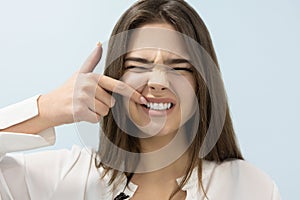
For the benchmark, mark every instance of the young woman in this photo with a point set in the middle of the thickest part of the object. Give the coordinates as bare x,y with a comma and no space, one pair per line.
166,129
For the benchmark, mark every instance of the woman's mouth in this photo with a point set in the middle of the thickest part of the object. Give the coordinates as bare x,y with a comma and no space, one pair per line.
158,107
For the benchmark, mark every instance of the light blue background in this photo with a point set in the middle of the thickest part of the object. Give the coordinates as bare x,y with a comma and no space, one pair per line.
257,42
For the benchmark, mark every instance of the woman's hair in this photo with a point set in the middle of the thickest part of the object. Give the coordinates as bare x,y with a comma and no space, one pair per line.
185,20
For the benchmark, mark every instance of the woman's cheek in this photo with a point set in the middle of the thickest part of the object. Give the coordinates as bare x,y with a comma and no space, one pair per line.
185,92
135,80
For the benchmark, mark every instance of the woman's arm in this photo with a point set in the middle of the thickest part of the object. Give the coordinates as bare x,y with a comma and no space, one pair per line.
57,107
31,123
83,97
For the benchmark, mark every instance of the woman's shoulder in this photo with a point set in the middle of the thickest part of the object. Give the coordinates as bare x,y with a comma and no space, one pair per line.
244,174
243,169
239,170
240,176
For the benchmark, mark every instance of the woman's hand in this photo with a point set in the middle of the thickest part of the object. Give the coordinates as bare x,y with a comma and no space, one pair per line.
83,97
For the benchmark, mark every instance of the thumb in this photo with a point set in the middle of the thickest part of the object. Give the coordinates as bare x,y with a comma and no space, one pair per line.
92,61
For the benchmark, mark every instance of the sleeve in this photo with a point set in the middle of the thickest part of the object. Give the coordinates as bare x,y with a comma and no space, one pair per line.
12,168
44,175
17,113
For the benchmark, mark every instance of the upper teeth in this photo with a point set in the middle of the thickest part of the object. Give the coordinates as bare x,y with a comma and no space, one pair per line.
159,106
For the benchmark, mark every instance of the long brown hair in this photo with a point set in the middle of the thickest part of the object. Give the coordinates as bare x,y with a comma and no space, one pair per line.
186,21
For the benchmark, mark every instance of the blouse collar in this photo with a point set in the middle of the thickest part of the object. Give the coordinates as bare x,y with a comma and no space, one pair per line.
207,169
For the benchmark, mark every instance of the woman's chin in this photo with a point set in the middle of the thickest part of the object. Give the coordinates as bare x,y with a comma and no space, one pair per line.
156,131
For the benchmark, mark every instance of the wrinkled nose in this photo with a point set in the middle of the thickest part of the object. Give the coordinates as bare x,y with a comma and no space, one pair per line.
158,80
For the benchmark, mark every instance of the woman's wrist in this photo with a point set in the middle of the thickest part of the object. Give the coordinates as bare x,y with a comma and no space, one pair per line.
46,115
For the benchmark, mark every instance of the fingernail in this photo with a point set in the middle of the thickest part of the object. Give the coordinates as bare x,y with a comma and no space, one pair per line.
143,100
99,44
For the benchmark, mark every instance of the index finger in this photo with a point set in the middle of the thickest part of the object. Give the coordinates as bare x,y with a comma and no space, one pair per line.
122,88
92,61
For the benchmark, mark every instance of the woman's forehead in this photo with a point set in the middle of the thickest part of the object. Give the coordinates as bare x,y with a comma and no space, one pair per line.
148,40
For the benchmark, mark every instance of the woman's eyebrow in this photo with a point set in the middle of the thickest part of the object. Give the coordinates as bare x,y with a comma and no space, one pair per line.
137,59
167,62
176,61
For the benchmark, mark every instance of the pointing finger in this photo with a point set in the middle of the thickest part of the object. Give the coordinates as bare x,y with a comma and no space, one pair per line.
122,88
92,61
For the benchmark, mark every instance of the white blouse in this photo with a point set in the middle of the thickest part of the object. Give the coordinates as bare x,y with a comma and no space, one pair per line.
71,174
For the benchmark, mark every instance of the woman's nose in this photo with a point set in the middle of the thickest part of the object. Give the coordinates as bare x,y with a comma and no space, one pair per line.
158,80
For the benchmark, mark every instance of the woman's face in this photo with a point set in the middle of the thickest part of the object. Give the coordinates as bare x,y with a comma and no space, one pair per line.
154,68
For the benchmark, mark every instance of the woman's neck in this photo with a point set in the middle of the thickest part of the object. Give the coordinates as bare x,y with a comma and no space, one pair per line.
169,173
163,160
164,156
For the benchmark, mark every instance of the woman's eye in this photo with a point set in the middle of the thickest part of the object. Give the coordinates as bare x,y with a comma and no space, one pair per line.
182,69
137,68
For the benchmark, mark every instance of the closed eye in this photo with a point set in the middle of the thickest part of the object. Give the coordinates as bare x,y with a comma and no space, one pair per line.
137,68
183,69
